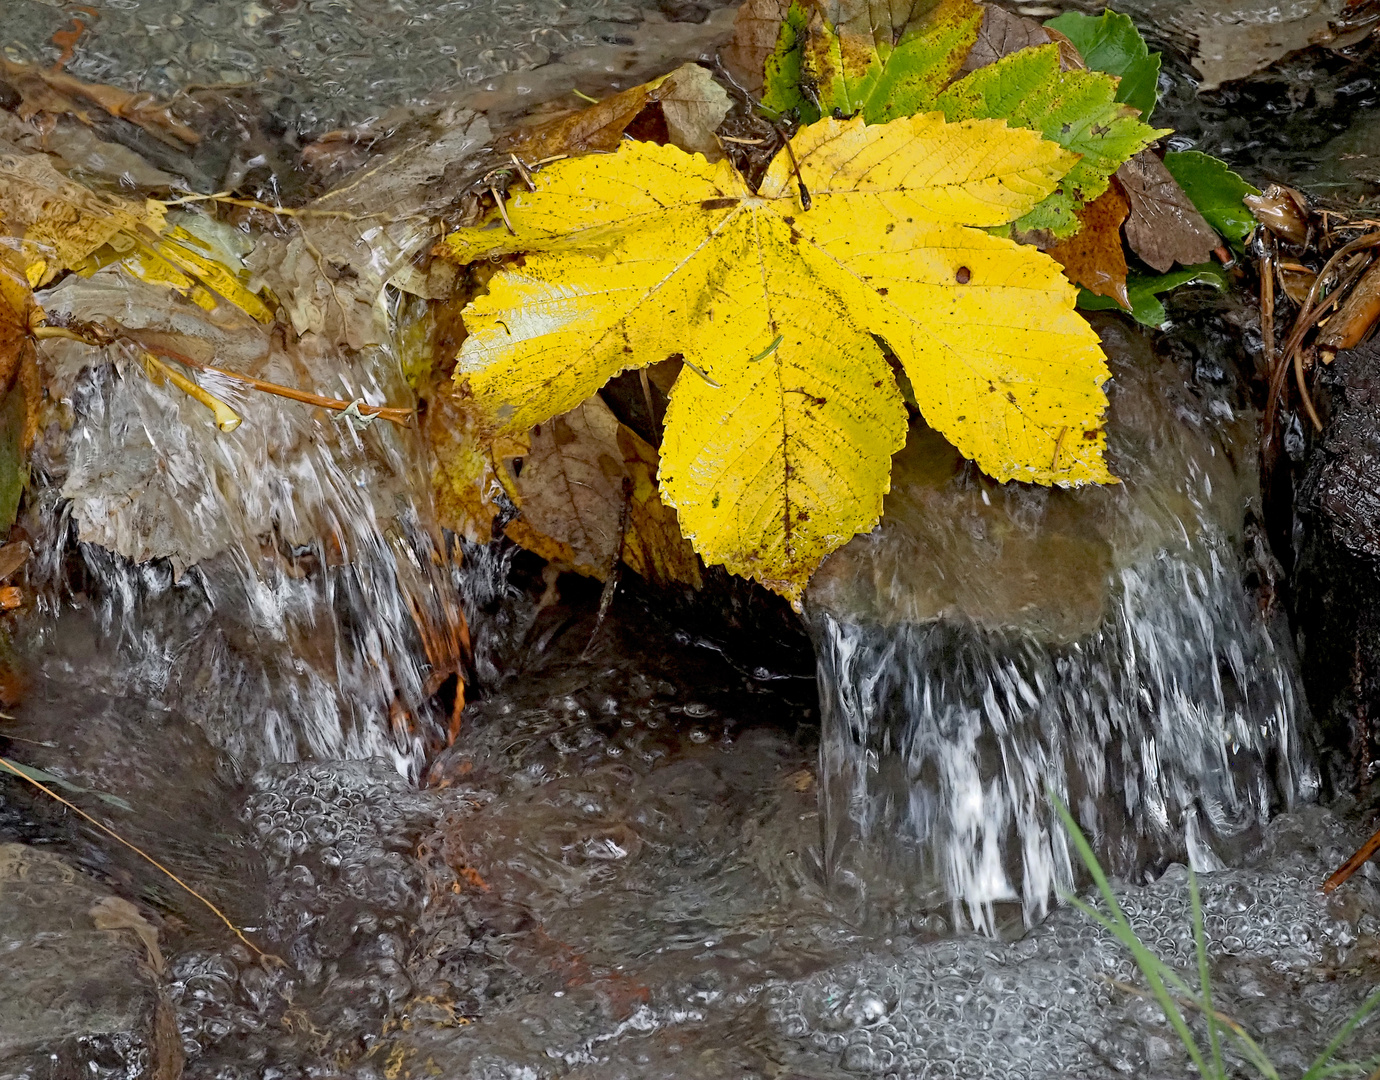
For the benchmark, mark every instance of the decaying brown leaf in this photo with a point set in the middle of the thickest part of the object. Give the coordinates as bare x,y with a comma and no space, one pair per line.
1164,227
1093,256
755,28
56,92
1283,211
583,469
1002,33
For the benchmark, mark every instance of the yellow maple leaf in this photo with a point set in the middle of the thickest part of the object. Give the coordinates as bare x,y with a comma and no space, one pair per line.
781,428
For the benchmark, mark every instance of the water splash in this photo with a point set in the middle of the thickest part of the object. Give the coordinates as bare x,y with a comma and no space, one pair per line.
989,643
284,577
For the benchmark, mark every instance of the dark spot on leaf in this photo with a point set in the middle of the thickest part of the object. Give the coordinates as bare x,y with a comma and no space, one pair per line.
963,275
804,515
718,204
1089,436
891,226
1101,129
1011,397
1065,129
789,220
881,292
715,501
960,419
877,383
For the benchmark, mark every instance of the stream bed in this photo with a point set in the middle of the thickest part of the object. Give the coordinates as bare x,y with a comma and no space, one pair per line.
690,837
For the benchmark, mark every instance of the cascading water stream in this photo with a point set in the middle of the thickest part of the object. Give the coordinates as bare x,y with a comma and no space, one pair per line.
987,645
284,577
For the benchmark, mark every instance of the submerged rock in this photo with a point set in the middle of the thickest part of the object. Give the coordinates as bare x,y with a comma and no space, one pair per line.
72,990
988,641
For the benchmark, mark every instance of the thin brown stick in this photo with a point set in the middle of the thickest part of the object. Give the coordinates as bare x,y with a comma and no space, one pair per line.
280,211
1344,872
1307,317
145,856
401,417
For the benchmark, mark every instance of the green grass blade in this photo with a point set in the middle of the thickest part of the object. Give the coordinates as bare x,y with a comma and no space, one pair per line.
1316,1070
1204,978
1150,965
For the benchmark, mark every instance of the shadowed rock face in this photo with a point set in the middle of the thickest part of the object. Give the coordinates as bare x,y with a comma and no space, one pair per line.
64,979
988,640
1337,575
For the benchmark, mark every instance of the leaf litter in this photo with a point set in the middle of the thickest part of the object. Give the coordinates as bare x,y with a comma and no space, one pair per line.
326,270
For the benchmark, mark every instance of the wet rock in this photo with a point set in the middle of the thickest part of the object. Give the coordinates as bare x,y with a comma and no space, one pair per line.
72,993
987,640
1337,575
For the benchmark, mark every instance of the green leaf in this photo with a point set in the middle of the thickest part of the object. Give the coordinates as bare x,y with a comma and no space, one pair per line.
1143,291
781,91
854,73
42,776
1110,42
14,471
1216,191
1076,109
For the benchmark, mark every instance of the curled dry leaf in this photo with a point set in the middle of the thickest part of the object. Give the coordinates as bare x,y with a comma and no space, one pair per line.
1283,211
1093,256
694,105
583,469
1164,227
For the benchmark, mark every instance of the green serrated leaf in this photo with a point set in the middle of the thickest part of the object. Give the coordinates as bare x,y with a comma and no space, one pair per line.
853,73
1111,43
1144,291
1216,191
1076,109
781,85
43,776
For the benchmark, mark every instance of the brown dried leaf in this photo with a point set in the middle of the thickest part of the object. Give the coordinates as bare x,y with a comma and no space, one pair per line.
1093,256
654,546
583,467
754,37
1002,33
692,104
56,92
1164,227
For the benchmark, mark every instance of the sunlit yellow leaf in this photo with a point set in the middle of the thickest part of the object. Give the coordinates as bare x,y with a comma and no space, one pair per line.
782,424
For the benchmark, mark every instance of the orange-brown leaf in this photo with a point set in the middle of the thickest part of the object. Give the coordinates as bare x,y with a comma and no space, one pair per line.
1093,256
754,37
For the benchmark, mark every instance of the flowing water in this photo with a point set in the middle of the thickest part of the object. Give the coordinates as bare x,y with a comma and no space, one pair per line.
679,842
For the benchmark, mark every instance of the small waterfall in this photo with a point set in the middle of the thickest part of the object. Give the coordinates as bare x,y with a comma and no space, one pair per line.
285,577
988,643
